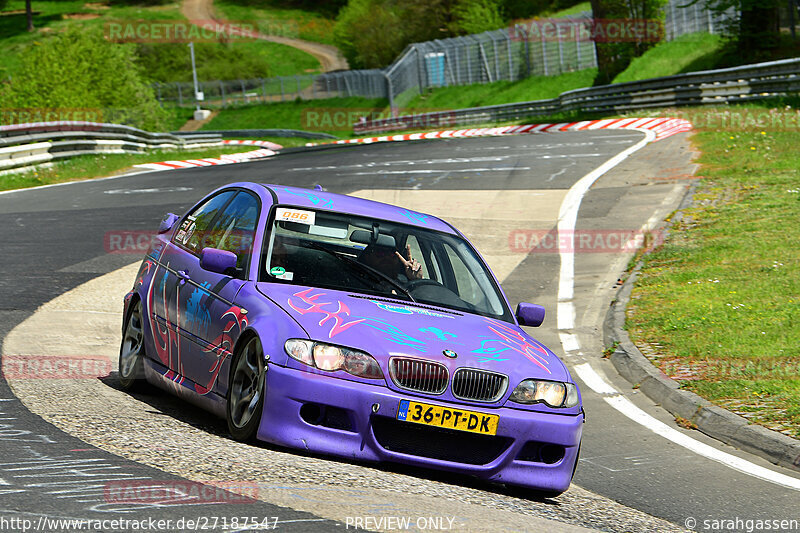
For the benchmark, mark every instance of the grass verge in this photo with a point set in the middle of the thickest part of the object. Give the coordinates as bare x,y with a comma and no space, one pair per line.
687,53
717,307
95,166
334,115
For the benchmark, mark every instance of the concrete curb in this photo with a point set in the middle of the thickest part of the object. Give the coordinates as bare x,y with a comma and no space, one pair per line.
710,419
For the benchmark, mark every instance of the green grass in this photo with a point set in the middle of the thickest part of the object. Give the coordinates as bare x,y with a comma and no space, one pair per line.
687,53
334,115
719,303
574,10
164,62
503,92
95,166
278,20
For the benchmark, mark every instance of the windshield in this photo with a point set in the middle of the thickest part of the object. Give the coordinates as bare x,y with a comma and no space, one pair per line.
372,256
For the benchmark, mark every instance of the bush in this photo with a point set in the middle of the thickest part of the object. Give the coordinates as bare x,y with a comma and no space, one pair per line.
79,69
372,33
476,16
369,33
169,62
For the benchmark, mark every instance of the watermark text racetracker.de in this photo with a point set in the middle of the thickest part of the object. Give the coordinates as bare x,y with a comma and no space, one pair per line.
178,31
196,523
743,524
582,241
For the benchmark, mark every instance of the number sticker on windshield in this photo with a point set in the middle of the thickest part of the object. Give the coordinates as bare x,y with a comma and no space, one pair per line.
295,215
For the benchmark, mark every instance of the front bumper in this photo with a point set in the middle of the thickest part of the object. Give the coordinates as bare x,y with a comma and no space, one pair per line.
294,415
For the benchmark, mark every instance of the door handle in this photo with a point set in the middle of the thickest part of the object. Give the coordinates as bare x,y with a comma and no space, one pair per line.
183,275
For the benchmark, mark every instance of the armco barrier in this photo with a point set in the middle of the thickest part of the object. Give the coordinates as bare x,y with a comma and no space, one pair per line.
23,145
730,85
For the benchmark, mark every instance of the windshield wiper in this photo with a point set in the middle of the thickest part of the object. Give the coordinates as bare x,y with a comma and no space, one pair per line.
361,267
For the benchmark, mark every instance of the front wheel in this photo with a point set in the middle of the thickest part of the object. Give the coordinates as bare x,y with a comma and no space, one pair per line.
131,351
246,391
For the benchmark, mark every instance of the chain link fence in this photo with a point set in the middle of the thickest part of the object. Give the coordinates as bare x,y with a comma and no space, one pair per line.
507,54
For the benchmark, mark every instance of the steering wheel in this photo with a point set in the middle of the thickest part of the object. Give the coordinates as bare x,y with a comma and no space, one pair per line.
416,283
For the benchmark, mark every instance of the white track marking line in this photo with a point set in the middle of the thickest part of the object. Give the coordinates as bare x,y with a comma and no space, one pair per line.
568,215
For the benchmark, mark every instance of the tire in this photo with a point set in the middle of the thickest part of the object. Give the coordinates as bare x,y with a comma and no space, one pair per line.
131,351
246,391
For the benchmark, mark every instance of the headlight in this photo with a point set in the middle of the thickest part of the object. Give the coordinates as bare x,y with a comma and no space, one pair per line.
551,393
331,358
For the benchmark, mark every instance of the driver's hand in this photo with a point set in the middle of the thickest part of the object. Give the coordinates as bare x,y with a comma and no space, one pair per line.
413,268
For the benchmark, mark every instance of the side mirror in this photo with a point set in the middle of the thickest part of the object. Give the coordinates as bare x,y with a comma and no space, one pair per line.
530,314
216,260
168,222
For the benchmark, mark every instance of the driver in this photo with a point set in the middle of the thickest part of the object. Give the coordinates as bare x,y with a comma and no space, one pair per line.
390,262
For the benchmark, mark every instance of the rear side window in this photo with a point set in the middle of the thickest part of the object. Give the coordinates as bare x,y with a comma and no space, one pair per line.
195,232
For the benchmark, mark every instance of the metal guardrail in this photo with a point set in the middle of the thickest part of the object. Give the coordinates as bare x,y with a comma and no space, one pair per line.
730,85
23,145
264,133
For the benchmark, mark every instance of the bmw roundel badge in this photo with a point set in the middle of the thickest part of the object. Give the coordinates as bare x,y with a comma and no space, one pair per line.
450,353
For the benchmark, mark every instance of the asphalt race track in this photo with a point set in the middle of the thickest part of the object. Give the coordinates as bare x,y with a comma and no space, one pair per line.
62,442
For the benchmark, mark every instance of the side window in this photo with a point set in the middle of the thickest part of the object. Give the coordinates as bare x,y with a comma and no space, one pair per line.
235,229
195,231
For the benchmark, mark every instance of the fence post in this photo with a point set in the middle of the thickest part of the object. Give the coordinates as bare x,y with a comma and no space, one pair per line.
180,94
469,66
297,79
245,99
544,54
158,88
496,60
674,20
560,55
510,60
282,94
222,91
263,89
578,47
389,92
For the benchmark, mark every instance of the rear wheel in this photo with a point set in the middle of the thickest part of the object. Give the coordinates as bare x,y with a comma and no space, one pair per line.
131,351
246,391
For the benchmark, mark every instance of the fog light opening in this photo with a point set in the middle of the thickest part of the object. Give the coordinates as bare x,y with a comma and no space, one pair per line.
551,453
312,413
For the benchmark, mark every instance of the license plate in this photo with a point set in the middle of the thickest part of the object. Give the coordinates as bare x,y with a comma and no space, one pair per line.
447,417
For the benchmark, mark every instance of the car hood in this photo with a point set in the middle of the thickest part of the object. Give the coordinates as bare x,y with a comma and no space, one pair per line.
387,328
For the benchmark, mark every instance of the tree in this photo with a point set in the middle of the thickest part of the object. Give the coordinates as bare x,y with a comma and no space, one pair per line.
29,14
372,33
756,29
614,55
78,69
